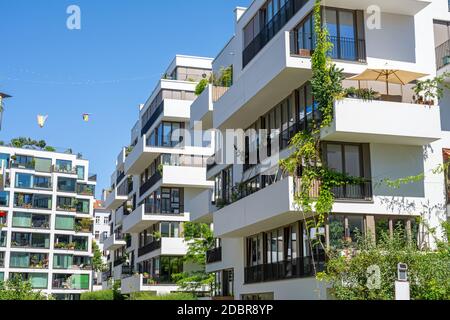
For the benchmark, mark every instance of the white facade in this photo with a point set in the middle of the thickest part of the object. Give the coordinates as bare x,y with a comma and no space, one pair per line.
101,233
46,229
377,140
156,177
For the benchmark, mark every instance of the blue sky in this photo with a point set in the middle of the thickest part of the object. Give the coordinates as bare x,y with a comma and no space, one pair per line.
107,68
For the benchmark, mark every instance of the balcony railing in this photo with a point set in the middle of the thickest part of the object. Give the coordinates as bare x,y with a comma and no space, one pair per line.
214,255
120,178
360,191
150,183
155,245
271,29
153,118
106,275
296,268
155,209
63,169
85,190
343,48
127,271
119,261
443,55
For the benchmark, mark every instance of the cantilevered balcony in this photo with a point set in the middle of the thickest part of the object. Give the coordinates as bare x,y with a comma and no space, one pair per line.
163,246
139,283
114,242
117,197
357,120
202,107
146,215
251,212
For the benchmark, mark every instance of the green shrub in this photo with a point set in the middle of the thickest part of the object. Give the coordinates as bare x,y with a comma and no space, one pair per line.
172,296
98,295
201,86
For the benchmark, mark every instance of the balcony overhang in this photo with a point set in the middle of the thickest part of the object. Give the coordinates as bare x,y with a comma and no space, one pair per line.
384,122
405,7
254,213
268,79
113,244
138,220
114,201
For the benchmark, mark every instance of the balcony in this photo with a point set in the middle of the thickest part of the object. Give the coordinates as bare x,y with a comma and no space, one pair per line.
251,212
271,29
214,255
385,122
201,207
114,199
114,242
137,283
150,183
85,189
202,107
296,268
64,170
165,246
153,246
443,57
169,109
106,275
147,215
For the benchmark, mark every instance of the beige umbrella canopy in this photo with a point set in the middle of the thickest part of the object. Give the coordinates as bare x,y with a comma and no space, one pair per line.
388,75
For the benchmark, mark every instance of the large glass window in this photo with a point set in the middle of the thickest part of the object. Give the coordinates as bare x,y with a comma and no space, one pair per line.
71,281
43,165
24,180
167,134
67,184
64,166
83,205
24,162
80,172
3,235
30,240
64,223
4,198
28,260
38,280
41,182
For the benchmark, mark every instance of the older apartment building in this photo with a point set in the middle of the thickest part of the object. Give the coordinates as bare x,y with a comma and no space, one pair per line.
155,178
46,210
262,248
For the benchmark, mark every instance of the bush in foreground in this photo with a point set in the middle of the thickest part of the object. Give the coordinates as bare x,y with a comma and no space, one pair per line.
172,296
98,295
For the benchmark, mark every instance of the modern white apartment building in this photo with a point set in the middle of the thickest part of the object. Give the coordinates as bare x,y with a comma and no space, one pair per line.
46,210
101,232
154,179
263,250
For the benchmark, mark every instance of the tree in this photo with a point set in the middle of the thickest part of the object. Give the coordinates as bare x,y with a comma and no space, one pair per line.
199,239
97,260
17,289
370,273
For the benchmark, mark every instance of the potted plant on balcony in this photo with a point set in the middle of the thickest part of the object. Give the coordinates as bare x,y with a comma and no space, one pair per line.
156,235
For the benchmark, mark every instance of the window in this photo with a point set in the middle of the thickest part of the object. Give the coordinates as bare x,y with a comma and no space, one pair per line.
65,203
224,283
24,181
80,172
28,260
105,220
4,199
3,218
4,160
38,280
167,134
105,235
170,229
24,162
30,220
97,220
30,240
71,281
67,184
64,223
41,182
3,235
43,165
83,206
64,166
2,261
223,186
97,235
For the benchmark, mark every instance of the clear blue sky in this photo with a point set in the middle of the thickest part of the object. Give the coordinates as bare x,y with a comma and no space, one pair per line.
107,68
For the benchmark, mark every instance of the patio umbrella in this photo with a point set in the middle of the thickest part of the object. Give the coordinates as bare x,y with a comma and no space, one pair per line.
389,75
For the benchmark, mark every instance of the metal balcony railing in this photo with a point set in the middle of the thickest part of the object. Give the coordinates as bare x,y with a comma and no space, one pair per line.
214,255
155,245
443,55
296,268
